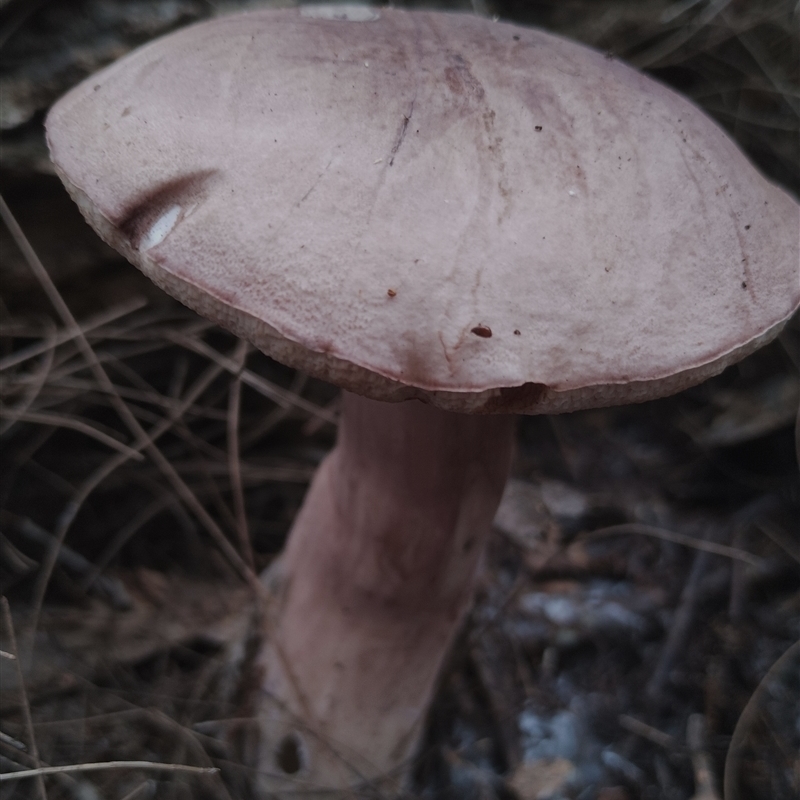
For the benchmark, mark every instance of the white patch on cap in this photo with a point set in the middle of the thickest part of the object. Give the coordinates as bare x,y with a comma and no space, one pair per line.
346,12
160,229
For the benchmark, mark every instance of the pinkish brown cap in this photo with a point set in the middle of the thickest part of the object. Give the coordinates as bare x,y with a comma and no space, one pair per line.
418,204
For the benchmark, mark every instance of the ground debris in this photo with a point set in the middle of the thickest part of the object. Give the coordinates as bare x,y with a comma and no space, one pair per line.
594,646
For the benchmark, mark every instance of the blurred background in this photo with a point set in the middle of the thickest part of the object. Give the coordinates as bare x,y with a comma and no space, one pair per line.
643,579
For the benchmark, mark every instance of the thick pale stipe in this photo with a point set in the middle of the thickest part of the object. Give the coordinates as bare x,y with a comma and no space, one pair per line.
376,578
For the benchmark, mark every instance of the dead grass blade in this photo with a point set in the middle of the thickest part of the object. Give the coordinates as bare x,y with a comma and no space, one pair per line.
26,709
36,381
277,394
143,441
667,47
123,535
103,765
62,337
71,423
276,416
97,477
234,462
635,528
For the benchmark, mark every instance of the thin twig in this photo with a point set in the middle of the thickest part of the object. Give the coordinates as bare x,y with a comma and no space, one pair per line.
26,709
103,765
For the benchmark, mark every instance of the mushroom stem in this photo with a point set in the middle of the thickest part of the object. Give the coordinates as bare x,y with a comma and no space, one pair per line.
375,581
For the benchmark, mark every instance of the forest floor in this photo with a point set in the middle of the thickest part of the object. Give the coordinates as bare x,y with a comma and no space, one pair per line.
636,624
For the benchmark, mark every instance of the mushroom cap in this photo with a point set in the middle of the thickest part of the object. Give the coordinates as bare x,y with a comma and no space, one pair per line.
420,204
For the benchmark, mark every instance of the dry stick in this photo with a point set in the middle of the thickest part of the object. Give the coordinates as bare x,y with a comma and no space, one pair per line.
143,441
26,709
150,716
103,765
696,735
681,625
20,758
677,538
646,731
234,463
112,588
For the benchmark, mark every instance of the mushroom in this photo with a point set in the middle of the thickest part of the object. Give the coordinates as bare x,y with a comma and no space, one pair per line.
474,218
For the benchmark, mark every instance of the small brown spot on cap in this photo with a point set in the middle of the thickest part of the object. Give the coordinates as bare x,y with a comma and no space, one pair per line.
537,127
747,227
484,331
392,293
517,333
744,284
